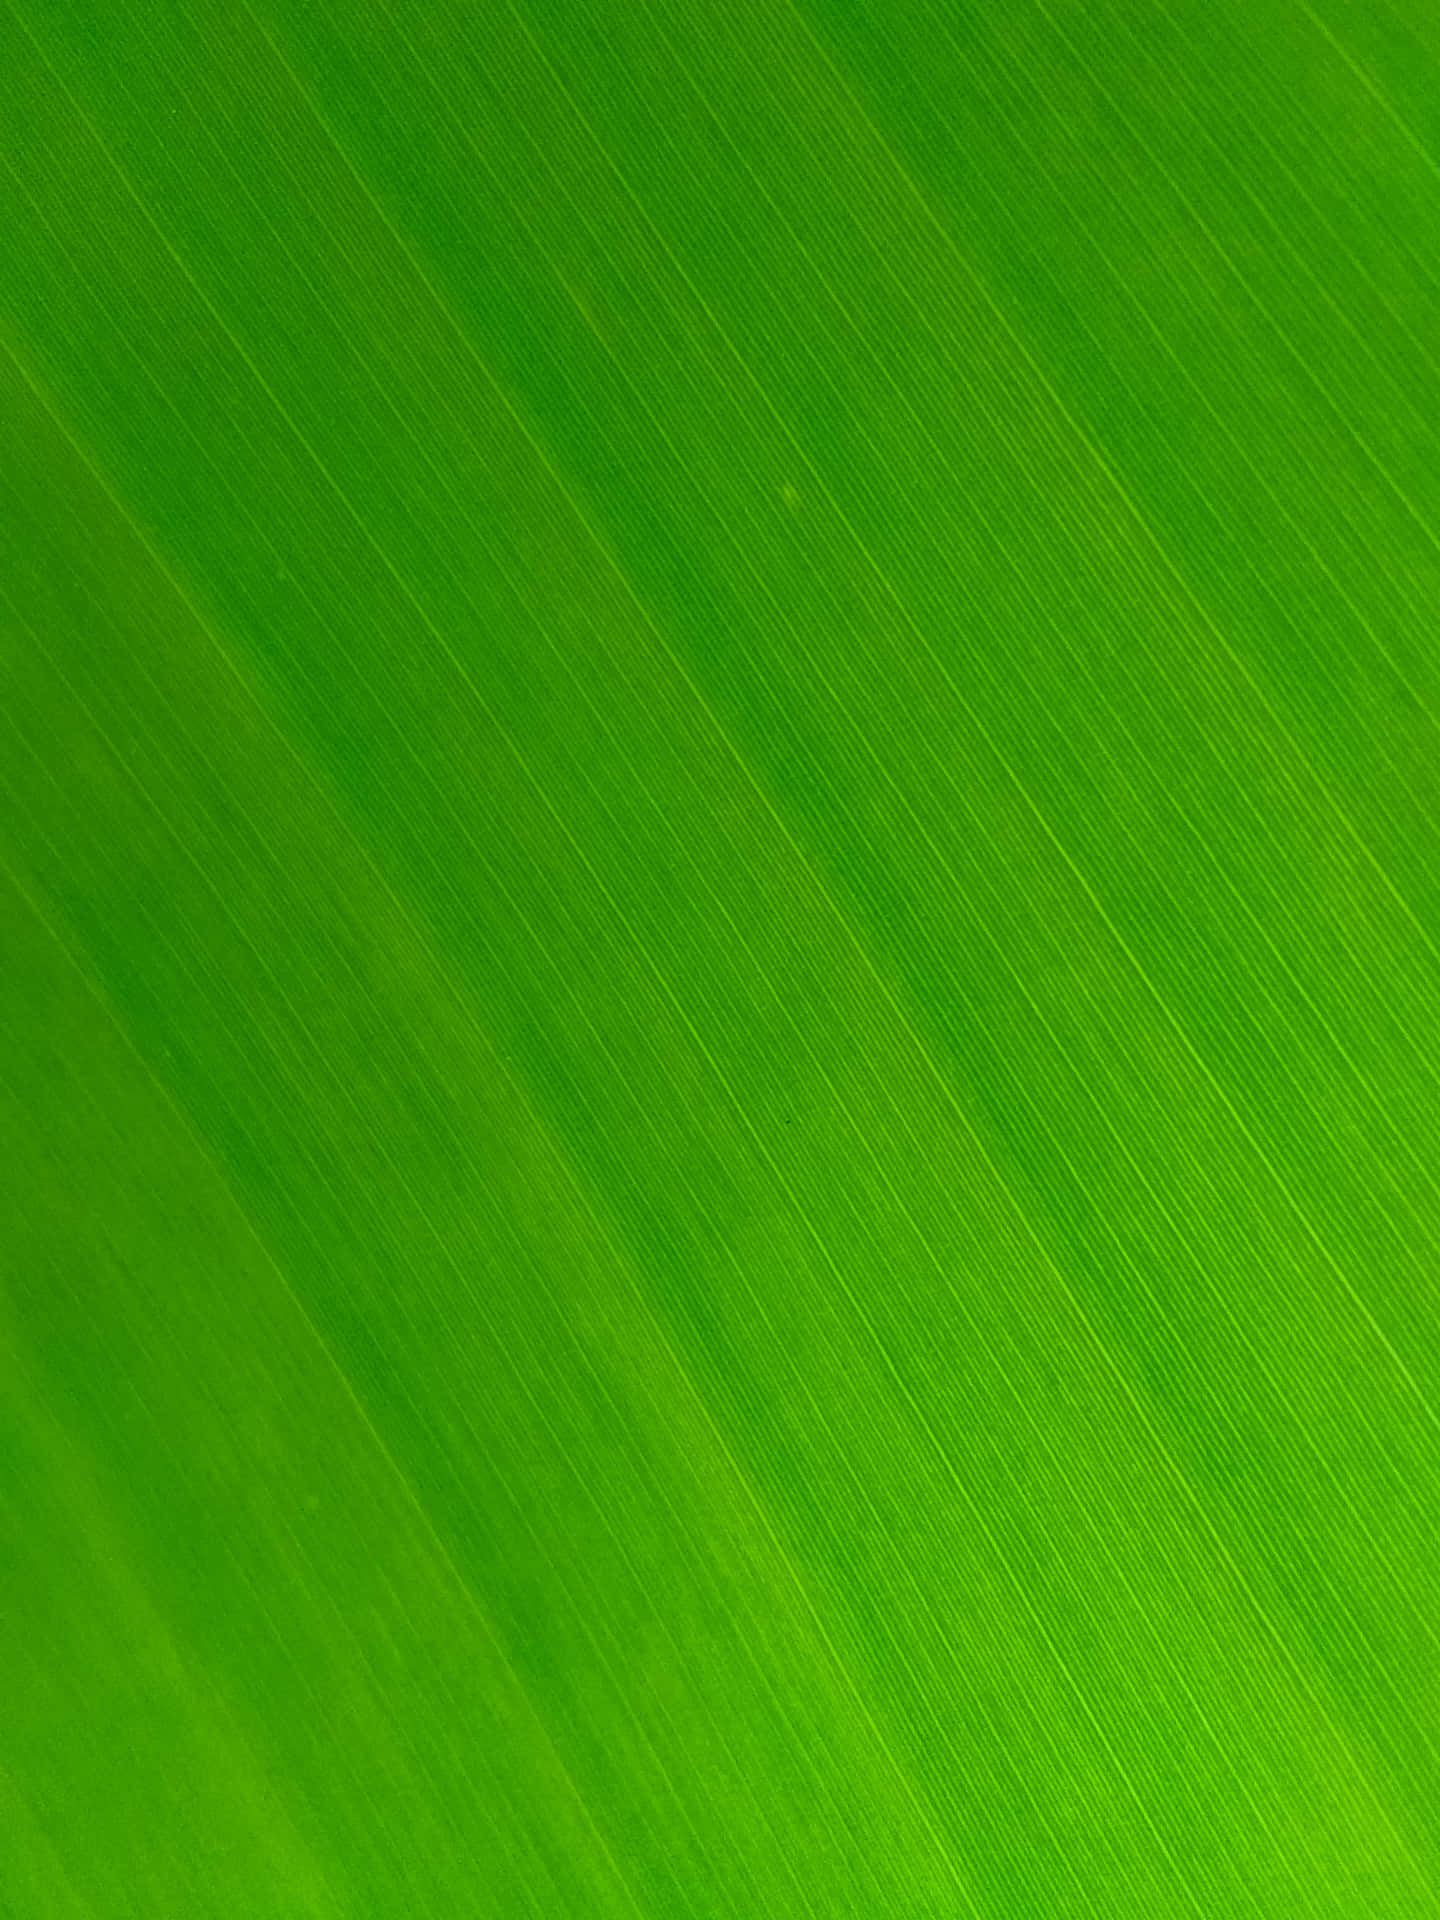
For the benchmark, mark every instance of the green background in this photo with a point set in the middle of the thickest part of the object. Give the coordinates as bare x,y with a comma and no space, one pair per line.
720,959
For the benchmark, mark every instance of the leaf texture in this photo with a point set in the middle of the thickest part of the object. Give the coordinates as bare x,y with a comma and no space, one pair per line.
720,959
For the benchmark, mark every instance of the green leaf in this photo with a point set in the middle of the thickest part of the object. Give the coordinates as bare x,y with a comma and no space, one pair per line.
720,959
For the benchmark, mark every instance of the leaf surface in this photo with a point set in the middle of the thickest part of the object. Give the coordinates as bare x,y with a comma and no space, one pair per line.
720,959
